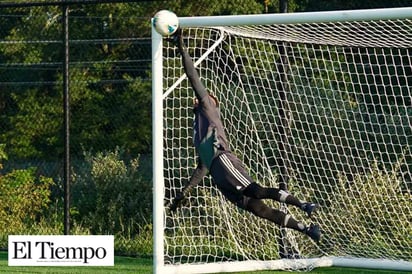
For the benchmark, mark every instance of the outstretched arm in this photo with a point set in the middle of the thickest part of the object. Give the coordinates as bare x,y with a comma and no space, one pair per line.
190,69
195,179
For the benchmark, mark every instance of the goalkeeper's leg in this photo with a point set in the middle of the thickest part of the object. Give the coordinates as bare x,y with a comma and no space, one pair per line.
258,208
258,192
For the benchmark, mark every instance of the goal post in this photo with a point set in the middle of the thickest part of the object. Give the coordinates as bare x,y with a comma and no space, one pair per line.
345,140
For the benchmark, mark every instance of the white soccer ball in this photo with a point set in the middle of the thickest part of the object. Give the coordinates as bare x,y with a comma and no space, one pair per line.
165,22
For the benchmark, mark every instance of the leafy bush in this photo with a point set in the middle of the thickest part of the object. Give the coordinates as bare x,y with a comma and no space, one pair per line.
373,207
24,198
110,196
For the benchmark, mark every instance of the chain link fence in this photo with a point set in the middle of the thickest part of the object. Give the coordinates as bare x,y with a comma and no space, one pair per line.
109,83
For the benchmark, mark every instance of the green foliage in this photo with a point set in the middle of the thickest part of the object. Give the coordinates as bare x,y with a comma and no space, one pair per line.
29,138
319,5
129,243
104,92
367,202
110,194
23,199
108,81
3,155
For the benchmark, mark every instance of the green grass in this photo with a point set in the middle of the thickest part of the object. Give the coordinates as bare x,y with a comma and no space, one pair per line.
143,266
121,265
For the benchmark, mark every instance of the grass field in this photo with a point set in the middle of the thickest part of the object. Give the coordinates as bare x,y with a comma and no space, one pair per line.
143,266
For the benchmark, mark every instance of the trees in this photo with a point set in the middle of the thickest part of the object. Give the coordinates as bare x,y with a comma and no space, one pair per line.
109,71
23,196
315,5
109,75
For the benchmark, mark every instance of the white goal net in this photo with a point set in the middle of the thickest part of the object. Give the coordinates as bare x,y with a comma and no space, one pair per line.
323,108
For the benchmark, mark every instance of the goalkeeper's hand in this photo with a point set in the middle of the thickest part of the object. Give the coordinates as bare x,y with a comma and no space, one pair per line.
177,38
177,201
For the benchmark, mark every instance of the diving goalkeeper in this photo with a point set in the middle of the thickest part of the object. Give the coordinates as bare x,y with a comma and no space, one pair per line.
227,171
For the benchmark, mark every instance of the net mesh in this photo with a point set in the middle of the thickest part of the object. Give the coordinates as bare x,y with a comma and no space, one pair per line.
325,108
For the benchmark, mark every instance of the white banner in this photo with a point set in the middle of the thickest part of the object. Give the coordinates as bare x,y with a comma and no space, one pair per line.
61,250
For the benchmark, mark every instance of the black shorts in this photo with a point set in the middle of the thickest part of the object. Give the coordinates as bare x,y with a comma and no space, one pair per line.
230,177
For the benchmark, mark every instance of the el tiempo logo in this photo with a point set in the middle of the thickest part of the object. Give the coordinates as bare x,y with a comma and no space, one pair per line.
61,250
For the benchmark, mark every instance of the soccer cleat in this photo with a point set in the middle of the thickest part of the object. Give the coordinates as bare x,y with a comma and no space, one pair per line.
313,231
309,208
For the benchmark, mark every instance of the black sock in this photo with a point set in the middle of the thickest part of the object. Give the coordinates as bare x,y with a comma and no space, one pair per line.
292,200
290,222
278,217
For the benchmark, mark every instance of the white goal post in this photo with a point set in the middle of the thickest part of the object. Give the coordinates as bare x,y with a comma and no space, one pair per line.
320,103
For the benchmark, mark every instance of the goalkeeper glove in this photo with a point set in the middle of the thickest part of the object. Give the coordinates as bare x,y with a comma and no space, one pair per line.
176,38
177,201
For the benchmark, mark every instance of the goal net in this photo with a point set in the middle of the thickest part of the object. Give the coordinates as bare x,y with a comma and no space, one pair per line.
322,108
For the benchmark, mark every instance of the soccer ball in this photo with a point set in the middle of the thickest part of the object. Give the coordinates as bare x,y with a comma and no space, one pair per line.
165,22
